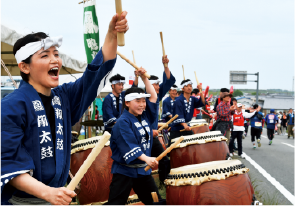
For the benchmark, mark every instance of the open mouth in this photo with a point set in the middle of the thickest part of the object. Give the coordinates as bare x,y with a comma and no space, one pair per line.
53,72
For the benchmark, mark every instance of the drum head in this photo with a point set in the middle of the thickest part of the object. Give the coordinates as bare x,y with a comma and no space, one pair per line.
85,144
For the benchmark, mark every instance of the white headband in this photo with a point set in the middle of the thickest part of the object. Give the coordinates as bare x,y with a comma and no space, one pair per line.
173,88
187,83
155,81
31,48
132,96
118,81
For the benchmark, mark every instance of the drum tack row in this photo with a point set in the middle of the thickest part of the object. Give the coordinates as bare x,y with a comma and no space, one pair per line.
201,173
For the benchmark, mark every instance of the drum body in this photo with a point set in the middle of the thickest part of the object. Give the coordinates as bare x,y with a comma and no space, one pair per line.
225,188
96,181
199,151
201,129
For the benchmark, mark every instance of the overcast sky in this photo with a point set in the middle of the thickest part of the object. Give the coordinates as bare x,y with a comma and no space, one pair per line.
210,37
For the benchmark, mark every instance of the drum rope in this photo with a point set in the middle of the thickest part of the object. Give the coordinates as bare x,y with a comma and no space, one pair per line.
7,71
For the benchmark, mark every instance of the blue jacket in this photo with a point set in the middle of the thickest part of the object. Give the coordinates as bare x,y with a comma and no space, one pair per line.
255,122
21,143
271,120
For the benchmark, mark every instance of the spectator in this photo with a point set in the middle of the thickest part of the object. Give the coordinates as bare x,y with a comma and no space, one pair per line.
290,121
284,123
224,114
238,128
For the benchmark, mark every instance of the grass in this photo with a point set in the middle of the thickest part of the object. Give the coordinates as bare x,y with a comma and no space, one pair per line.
263,196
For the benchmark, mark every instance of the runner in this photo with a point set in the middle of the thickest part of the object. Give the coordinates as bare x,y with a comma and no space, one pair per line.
271,120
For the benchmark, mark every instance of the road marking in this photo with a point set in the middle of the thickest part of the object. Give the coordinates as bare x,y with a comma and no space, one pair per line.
288,144
272,180
263,136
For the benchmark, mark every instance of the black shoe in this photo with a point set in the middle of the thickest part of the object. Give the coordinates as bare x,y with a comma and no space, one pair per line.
288,137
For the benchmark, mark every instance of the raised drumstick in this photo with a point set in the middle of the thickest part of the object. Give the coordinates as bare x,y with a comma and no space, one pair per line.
89,160
183,72
197,78
161,35
163,154
167,123
133,57
120,35
132,64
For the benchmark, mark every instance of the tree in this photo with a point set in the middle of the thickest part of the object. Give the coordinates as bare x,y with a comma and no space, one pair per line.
237,93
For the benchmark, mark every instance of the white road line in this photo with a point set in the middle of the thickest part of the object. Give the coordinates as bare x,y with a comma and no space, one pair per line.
263,136
272,180
288,144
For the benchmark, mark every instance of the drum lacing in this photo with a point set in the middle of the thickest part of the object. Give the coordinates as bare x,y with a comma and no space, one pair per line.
200,138
210,172
129,202
84,144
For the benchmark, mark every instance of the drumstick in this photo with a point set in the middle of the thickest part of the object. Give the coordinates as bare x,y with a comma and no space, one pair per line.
161,35
131,63
120,35
133,57
183,72
200,125
155,197
197,78
167,123
163,154
89,160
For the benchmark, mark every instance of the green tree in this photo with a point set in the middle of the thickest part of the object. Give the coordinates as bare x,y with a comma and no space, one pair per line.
237,93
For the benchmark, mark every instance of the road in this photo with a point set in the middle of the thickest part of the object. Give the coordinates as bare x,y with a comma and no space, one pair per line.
271,168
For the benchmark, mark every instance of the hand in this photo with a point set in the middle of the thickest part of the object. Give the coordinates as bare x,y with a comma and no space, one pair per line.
155,133
187,128
140,72
165,60
118,26
60,196
199,87
232,108
151,161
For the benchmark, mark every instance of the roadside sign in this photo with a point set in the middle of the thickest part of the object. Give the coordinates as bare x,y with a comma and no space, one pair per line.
237,77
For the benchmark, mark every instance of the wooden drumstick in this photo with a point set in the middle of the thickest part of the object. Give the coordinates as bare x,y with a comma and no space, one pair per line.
163,154
161,35
133,57
89,160
183,72
197,78
167,123
155,197
132,64
200,125
120,35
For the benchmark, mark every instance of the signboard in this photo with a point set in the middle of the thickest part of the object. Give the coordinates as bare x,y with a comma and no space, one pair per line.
237,77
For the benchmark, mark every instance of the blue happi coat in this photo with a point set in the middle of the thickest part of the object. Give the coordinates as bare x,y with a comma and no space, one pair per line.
26,140
109,109
185,111
167,108
128,141
164,88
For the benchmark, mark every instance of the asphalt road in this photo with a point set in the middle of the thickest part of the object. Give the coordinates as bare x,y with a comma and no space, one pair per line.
271,168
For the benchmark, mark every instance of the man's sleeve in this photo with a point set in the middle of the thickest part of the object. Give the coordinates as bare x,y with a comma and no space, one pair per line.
107,111
166,85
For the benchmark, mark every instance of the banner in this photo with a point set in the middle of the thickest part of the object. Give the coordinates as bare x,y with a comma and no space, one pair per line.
91,32
91,37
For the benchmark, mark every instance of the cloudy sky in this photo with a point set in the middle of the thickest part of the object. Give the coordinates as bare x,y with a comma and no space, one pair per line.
210,37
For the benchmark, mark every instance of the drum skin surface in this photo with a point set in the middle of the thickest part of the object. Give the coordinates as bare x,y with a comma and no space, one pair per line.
201,129
236,190
96,181
198,153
